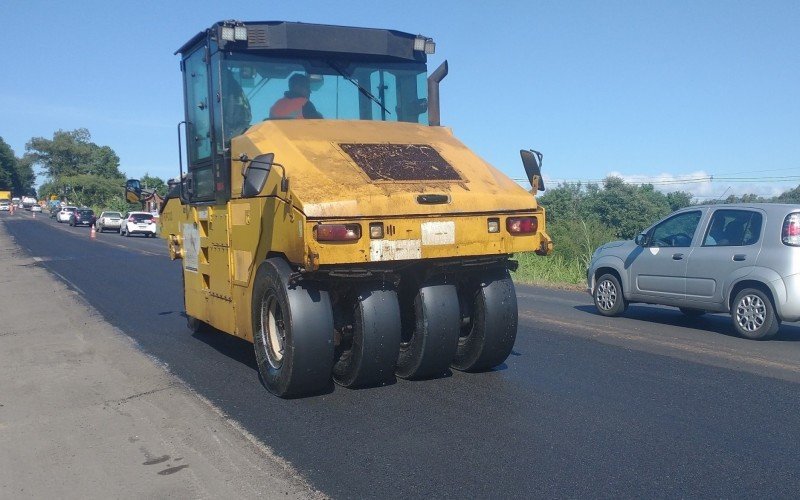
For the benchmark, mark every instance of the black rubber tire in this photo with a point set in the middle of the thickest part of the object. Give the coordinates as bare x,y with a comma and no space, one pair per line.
431,325
608,296
487,340
304,313
691,312
370,358
750,303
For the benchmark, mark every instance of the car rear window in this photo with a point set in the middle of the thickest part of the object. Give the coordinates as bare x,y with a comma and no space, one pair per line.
141,217
85,213
113,215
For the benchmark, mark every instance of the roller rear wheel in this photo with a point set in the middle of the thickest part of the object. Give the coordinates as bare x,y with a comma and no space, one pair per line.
292,332
367,356
431,322
490,322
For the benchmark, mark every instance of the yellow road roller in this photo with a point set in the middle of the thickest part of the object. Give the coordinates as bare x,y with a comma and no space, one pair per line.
326,216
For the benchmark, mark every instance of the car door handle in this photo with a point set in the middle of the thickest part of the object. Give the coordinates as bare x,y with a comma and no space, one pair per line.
739,257
677,256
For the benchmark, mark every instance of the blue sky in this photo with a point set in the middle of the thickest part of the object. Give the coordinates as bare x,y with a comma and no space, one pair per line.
650,90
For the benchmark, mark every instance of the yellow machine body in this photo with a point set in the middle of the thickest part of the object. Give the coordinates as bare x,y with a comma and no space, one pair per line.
222,245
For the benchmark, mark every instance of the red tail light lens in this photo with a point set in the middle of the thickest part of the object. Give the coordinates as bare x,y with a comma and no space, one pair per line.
522,225
791,230
337,232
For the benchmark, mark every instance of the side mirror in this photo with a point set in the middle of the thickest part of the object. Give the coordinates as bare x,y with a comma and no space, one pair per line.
641,239
255,174
532,161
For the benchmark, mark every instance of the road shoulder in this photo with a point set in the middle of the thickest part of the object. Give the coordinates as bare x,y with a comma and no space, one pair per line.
85,414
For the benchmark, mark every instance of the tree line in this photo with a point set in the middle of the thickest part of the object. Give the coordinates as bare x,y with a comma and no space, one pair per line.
74,169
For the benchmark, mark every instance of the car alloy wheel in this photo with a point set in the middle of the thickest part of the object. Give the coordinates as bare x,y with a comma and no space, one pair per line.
606,295
751,313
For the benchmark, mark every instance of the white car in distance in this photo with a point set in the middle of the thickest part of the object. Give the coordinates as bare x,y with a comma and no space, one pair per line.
138,223
65,214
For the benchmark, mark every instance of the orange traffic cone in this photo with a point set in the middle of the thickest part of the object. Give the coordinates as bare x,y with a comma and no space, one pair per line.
92,233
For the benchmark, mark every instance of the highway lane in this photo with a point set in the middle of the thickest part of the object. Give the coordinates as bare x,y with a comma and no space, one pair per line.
652,404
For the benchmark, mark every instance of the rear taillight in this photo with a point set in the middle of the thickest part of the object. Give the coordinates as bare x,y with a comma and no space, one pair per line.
522,225
337,232
791,230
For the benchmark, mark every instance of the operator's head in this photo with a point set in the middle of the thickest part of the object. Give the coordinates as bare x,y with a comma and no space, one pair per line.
300,85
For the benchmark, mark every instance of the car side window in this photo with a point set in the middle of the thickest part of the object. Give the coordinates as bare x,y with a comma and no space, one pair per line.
677,231
733,228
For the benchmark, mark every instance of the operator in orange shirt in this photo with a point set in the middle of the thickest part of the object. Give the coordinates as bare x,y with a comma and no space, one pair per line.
295,103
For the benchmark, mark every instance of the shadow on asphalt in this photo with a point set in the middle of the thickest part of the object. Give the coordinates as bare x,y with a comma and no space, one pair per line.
235,348
711,322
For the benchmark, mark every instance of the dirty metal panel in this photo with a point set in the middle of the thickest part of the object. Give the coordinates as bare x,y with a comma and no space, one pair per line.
401,162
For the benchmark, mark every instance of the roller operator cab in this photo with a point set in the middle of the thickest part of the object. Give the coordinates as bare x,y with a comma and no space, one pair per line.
327,217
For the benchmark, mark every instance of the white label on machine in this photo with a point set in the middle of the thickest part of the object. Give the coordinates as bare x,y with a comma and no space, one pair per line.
439,233
394,250
191,247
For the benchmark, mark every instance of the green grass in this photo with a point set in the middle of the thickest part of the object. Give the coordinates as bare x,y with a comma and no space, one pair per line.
553,270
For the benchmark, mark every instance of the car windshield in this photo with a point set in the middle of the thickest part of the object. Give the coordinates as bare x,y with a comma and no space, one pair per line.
340,89
141,217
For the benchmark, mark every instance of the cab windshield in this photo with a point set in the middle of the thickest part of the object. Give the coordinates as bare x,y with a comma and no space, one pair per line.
339,90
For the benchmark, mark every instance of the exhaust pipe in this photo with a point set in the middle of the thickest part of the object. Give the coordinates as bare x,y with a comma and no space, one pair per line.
434,118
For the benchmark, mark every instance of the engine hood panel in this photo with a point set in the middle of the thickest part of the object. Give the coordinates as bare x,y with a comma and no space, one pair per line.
343,168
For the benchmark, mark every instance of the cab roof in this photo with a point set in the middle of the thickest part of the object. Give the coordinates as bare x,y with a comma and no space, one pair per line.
294,38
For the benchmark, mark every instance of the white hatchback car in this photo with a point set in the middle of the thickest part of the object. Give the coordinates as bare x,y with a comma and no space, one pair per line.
65,214
138,223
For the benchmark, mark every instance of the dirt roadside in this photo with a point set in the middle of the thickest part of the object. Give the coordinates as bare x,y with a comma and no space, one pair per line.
85,414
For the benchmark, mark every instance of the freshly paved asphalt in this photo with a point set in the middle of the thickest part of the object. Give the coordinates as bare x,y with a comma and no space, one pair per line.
649,405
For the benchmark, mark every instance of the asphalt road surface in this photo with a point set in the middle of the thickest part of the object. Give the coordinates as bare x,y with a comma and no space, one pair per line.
653,404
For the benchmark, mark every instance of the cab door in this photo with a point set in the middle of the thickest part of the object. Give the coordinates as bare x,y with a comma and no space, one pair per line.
729,249
658,272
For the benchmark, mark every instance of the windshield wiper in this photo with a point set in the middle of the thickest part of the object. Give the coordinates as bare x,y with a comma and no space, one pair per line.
361,89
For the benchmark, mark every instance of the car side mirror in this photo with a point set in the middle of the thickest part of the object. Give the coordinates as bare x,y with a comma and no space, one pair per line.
641,239
532,161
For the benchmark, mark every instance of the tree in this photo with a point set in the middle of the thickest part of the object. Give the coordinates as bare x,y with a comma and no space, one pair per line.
8,166
628,208
16,175
71,153
679,199
791,196
156,183
84,189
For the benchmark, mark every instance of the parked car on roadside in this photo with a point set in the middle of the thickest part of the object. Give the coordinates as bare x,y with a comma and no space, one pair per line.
743,259
82,217
138,223
65,213
108,220
36,208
